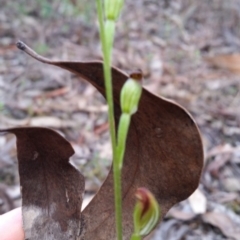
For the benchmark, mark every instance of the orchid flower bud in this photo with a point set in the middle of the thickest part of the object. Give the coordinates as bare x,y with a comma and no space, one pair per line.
146,212
113,9
131,93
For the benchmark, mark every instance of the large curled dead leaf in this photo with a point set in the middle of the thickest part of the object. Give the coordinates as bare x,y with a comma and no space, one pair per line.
164,154
52,189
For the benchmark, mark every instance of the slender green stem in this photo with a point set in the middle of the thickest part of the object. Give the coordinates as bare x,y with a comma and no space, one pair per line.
107,77
118,198
107,52
123,127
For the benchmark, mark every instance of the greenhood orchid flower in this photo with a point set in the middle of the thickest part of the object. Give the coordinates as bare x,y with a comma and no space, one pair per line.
131,93
146,213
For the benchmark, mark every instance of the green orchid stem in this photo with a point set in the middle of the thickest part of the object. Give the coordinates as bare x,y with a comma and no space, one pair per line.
107,75
123,127
107,34
118,198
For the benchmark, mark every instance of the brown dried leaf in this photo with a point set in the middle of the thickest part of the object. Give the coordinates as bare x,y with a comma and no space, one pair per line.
226,61
181,215
224,223
52,189
164,153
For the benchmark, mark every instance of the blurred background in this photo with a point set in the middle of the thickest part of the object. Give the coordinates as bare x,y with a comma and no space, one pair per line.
188,50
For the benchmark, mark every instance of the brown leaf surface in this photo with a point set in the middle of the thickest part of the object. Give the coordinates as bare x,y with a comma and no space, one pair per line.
52,189
226,61
164,153
224,223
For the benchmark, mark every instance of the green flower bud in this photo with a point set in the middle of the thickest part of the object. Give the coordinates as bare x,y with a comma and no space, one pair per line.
113,8
130,95
146,212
